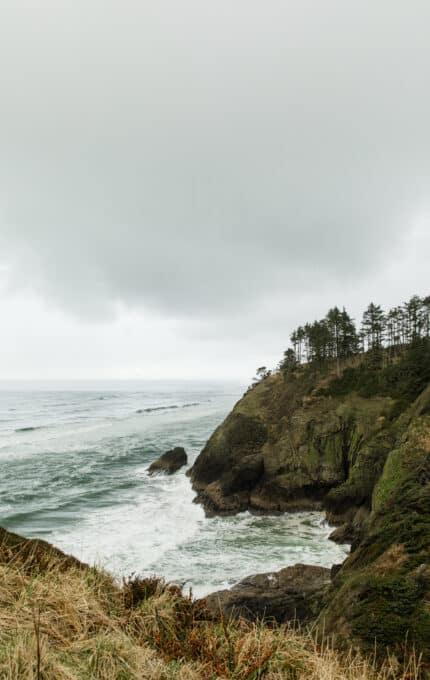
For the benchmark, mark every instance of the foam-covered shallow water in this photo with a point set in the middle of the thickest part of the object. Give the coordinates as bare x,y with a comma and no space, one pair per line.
74,461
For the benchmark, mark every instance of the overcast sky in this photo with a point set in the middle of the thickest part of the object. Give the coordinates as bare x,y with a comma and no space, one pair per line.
182,183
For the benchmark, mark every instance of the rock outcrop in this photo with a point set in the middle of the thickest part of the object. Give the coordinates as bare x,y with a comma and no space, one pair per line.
169,462
293,594
286,445
382,591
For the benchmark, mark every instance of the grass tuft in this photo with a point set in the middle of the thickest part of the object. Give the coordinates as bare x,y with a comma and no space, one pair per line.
77,623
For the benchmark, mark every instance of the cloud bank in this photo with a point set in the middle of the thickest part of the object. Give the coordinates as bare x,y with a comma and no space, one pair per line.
211,162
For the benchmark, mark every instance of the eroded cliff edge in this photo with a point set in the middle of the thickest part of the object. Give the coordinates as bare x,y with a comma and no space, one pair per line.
288,444
358,446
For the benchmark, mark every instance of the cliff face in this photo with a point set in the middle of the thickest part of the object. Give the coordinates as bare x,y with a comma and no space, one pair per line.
301,442
286,445
382,591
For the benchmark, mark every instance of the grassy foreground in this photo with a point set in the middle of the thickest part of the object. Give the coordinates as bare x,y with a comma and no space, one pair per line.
62,620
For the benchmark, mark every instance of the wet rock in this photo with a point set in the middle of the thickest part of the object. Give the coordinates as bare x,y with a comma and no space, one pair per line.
352,530
169,462
342,534
292,594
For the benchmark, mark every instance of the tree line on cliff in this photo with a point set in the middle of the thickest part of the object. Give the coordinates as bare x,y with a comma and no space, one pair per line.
383,335
336,336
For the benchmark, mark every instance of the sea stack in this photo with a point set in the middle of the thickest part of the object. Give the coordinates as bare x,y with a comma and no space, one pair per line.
169,462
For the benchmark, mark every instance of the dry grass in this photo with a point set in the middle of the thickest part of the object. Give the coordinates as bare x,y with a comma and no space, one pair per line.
77,623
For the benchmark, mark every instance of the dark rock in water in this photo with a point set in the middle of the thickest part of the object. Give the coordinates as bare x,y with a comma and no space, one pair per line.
293,594
169,462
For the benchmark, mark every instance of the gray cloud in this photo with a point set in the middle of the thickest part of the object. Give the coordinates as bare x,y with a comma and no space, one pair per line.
196,158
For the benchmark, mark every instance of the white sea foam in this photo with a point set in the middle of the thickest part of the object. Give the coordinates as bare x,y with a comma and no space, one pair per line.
80,481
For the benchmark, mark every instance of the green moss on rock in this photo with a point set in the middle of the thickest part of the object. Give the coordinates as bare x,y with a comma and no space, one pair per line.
390,611
310,441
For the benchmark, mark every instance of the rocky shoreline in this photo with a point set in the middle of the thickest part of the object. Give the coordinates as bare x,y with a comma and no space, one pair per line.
307,442
292,595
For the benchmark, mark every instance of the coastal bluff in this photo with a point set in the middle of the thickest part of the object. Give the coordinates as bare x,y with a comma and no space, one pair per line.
348,441
287,445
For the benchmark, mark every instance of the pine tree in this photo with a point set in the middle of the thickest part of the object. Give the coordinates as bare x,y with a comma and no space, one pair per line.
289,361
335,336
373,326
334,324
300,340
294,342
426,316
349,342
319,341
414,318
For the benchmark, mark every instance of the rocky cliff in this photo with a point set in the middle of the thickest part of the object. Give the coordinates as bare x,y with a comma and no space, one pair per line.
357,446
287,444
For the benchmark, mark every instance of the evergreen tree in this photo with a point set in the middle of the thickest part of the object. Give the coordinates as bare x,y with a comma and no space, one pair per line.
414,318
373,326
426,316
295,342
307,344
300,341
289,361
261,373
334,325
319,341
349,342
390,327
399,326
335,337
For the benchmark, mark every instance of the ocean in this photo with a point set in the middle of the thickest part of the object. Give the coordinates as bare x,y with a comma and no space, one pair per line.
74,459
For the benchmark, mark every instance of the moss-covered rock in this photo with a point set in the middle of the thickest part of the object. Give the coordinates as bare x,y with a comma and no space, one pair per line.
286,447
382,592
358,446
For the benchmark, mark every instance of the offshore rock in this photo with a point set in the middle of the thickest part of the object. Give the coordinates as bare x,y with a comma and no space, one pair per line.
292,594
169,462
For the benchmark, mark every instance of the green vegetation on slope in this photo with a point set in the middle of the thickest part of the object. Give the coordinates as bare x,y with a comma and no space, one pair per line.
351,436
382,591
403,379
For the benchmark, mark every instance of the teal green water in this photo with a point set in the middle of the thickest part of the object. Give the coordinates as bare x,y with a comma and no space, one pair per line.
74,471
